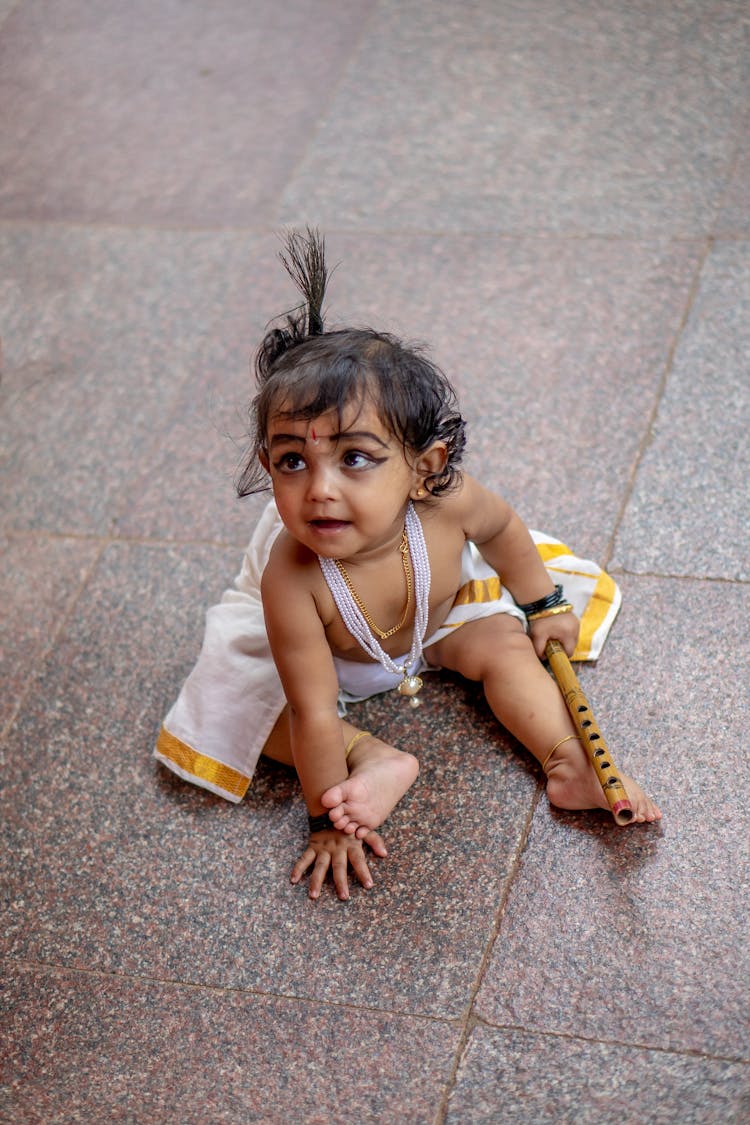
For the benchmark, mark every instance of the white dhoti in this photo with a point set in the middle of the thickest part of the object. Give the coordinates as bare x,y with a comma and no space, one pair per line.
217,728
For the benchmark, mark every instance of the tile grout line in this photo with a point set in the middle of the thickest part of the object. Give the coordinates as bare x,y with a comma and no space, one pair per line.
718,579
275,206
683,1052
53,968
708,242
648,432
268,229
471,1020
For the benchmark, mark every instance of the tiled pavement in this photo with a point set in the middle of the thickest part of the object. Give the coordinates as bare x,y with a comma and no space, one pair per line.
556,195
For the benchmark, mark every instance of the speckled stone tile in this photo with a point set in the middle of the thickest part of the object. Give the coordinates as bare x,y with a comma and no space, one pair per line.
112,863
688,513
636,935
6,7
85,1047
508,1076
39,579
735,213
106,334
532,118
173,112
187,490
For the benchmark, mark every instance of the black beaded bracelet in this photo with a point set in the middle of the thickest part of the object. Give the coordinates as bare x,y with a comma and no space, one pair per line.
549,602
318,823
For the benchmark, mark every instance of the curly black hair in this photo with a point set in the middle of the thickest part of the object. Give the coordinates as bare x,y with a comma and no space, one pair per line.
303,371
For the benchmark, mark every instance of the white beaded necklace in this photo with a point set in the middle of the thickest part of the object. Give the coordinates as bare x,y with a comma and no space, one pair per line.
355,622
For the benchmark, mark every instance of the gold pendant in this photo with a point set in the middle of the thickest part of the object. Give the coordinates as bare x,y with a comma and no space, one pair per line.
409,686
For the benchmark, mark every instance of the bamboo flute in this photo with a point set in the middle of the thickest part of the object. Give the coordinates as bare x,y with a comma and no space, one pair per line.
589,733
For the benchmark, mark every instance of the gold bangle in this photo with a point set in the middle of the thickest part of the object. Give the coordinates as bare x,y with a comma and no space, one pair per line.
353,741
553,612
568,738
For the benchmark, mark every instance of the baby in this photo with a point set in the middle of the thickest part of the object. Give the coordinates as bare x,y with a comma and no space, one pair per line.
367,564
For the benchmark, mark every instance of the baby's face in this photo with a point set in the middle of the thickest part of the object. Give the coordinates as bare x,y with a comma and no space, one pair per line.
341,485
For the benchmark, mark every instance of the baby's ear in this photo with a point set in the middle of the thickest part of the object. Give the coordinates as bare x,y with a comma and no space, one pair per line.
430,462
263,458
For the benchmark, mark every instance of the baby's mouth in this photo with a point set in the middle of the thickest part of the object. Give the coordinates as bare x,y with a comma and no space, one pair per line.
329,524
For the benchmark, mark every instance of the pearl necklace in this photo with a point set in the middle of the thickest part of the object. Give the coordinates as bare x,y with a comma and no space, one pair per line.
357,624
382,634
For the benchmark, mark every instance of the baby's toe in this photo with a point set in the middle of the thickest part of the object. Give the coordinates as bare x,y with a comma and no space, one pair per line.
332,798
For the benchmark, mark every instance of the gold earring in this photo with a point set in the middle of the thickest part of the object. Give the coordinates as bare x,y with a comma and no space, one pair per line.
420,492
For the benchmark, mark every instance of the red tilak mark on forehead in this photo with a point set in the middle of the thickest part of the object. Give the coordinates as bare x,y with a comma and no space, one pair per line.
314,435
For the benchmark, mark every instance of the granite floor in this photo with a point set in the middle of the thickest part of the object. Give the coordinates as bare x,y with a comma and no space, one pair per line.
555,194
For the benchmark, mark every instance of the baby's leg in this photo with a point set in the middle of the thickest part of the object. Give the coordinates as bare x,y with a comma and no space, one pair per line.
379,775
528,702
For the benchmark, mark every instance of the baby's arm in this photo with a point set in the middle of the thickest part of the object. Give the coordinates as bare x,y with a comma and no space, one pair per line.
305,666
504,541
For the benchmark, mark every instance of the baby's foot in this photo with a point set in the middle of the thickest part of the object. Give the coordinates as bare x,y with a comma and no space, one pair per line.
572,784
379,775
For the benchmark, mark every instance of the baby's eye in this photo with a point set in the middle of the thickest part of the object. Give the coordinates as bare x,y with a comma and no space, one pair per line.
290,463
354,459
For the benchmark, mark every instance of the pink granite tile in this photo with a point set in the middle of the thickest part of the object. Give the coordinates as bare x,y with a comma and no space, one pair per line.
688,512
532,118
86,1047
735,213
636,935
39,580
514,1076
106,334
171,112
106,855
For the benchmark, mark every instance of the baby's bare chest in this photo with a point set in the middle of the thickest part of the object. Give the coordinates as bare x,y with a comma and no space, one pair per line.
386,598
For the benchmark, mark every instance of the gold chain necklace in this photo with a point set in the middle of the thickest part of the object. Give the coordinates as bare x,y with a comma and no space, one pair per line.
383,633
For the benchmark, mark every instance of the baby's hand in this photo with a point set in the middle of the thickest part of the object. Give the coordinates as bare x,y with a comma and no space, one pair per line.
334,849
562,627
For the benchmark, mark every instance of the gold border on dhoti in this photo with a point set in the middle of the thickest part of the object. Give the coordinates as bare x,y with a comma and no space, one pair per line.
201,767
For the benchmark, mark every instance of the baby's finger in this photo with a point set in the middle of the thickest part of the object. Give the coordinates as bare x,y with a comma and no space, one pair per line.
319,872
375,841
360,868
302,864
340,880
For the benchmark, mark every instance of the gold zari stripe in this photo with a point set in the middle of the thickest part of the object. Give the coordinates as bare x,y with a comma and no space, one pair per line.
200,766
479,590
599,605
549,551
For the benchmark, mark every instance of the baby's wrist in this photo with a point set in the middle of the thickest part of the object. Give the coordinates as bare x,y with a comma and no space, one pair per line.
549,606
320,823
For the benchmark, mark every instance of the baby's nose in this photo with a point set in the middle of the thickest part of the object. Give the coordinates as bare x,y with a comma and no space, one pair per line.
322,483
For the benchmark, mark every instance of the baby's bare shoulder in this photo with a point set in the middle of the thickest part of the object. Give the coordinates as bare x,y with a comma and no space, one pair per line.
292,579
471,508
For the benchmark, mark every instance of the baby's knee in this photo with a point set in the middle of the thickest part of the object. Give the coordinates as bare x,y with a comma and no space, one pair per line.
483,647
509,647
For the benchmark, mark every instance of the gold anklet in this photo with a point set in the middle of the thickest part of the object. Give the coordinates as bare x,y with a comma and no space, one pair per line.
353,741
568,738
